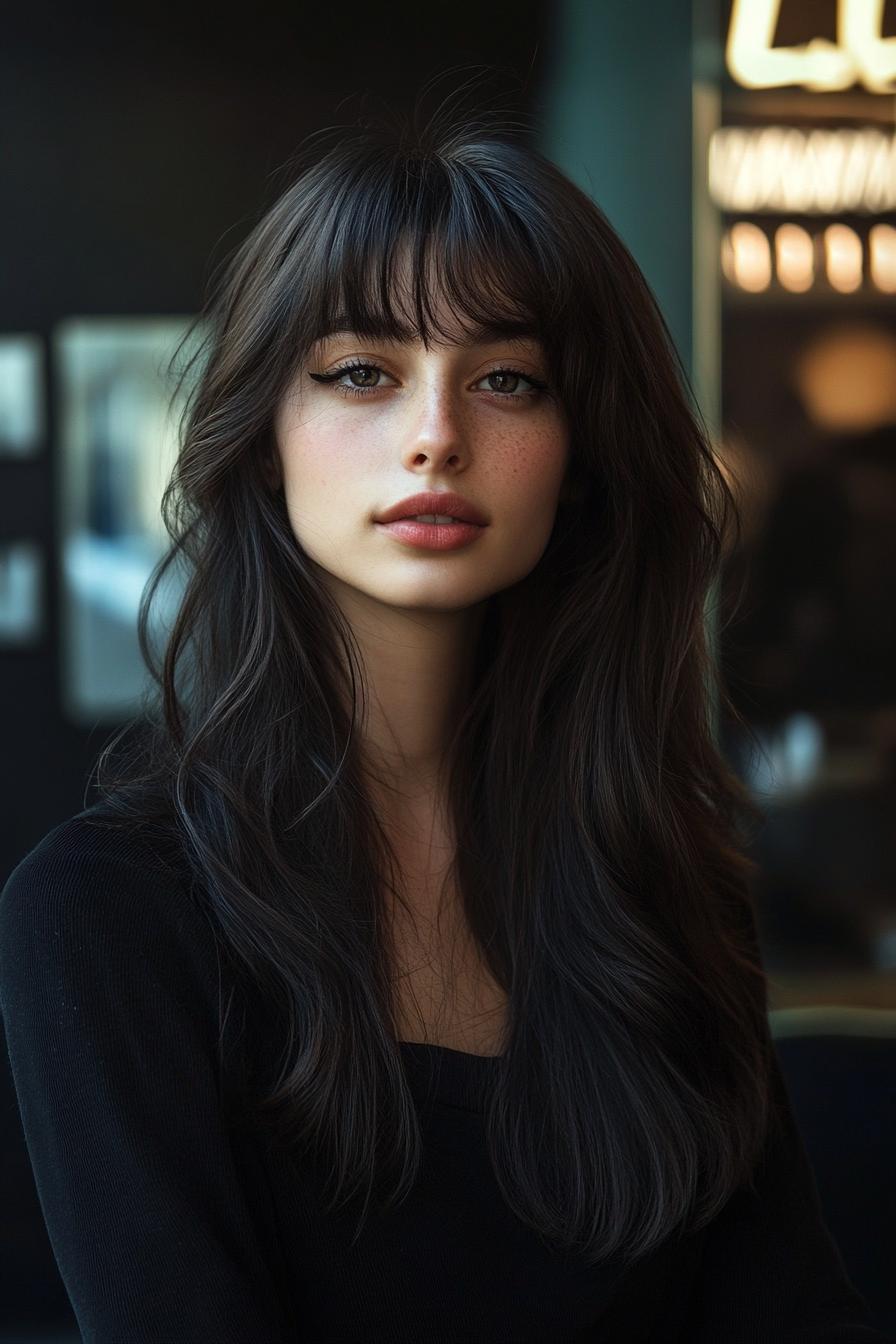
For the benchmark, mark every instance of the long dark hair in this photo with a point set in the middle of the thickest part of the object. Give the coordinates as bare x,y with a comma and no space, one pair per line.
600,834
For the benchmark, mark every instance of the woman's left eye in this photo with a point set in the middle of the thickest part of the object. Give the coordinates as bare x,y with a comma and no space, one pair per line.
516,375
502,374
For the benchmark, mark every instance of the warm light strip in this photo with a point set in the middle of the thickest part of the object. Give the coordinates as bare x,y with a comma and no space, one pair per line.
783,169
746,257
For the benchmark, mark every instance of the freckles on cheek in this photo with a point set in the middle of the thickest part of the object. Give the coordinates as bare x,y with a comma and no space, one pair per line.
534,461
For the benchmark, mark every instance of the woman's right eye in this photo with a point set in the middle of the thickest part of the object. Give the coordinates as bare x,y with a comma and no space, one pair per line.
346,369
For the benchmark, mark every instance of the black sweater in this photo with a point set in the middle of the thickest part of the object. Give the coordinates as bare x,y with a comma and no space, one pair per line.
169,1225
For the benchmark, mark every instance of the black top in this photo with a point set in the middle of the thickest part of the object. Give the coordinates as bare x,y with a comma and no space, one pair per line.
170,1226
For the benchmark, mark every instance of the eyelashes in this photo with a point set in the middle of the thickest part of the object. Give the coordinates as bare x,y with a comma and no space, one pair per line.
538,387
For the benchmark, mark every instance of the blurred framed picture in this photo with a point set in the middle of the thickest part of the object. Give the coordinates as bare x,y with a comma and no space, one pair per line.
118,424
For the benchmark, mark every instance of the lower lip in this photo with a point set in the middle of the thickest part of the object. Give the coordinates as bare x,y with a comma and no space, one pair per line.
433,536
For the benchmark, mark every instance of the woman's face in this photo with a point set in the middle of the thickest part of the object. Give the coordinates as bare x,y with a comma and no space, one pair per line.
412,420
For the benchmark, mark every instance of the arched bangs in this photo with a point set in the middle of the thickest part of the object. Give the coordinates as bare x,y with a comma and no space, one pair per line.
400,236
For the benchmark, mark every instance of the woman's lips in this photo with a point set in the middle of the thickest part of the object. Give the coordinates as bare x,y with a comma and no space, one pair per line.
432,536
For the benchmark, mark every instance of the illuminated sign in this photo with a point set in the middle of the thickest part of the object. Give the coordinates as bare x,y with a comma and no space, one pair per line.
782,169
859,54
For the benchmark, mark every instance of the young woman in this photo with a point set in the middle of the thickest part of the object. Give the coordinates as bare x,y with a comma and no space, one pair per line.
404,984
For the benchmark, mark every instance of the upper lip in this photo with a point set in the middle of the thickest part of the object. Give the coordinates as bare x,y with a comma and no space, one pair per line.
435,501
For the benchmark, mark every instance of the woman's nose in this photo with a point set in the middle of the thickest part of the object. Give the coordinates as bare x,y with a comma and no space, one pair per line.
438,421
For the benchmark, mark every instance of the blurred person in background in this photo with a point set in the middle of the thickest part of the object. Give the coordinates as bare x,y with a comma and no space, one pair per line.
817,643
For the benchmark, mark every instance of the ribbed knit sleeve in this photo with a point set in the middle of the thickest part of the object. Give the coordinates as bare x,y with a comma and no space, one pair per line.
771,1271
109,994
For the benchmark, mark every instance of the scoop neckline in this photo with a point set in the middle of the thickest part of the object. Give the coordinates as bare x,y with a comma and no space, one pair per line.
448,1049
449,1077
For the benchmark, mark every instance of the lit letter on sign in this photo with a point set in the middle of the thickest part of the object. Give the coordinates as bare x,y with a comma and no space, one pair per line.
860,53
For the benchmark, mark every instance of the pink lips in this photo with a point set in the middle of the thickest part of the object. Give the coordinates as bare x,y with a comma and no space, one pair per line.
435,501
432,536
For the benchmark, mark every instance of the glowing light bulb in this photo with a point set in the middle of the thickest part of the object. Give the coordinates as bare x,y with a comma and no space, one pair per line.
882,256
794,258
843,257
750,258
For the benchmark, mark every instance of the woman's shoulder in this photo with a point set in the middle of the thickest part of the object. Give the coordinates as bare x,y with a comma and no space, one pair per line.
96,884
99,835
